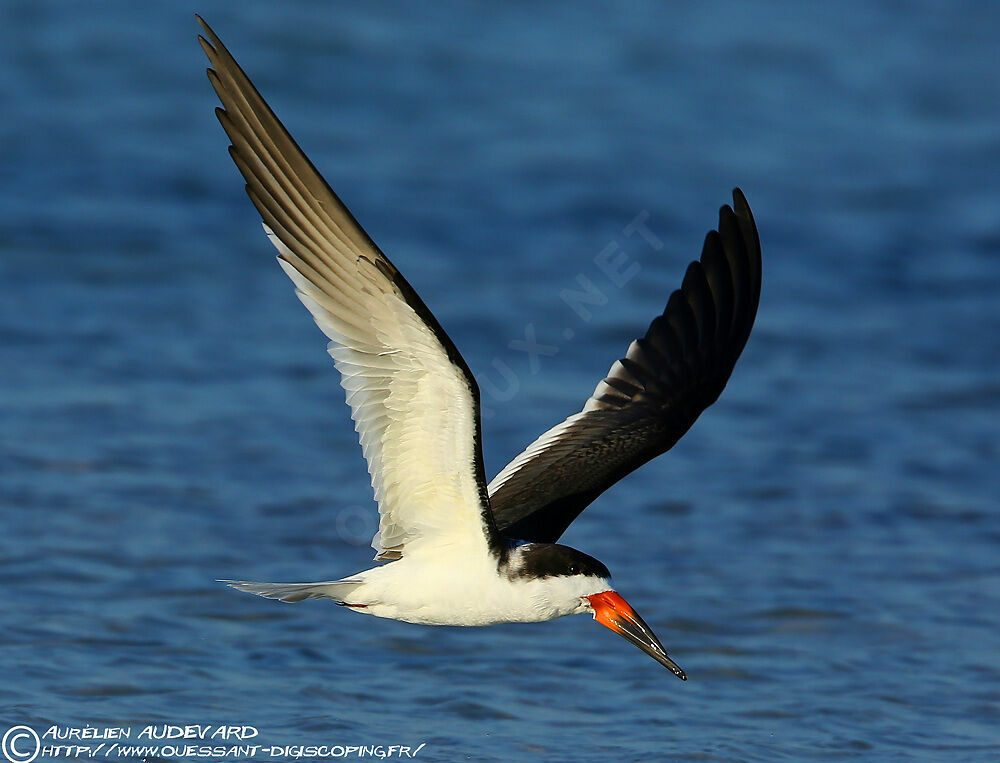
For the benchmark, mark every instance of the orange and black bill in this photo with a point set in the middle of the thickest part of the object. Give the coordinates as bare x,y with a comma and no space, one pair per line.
612,611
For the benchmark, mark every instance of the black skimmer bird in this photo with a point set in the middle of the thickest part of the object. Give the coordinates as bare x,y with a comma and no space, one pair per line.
462,551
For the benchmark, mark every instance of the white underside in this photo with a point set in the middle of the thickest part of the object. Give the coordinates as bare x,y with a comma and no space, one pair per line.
451,587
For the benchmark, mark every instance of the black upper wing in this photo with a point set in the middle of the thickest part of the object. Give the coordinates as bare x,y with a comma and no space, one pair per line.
650,398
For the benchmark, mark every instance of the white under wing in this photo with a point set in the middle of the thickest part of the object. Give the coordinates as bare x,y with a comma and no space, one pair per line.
413,406
412,409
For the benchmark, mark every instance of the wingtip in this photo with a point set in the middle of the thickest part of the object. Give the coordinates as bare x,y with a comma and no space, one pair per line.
748,226
740,204
211,39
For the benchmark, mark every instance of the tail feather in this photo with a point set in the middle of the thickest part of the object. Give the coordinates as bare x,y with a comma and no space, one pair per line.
338,590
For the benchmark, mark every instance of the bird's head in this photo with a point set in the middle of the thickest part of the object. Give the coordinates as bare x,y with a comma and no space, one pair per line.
584,583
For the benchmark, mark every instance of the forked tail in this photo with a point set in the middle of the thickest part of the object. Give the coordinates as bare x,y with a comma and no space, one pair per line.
338,590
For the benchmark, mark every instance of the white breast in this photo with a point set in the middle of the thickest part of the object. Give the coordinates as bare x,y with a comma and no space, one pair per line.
458,586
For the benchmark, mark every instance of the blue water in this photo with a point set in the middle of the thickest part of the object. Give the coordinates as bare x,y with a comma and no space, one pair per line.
821,553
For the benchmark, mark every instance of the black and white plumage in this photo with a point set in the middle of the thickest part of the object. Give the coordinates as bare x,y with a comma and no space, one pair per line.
649,398
462,552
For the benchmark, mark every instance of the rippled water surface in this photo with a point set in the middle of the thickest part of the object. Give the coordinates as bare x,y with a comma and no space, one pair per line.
821,553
